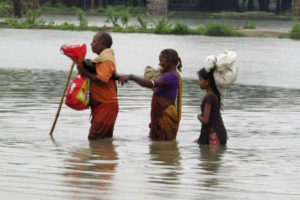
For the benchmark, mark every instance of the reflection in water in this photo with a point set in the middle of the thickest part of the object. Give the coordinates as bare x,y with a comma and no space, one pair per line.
166,156
210,157
93,167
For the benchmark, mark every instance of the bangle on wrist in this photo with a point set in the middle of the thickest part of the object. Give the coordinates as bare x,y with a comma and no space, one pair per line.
130,76
153,84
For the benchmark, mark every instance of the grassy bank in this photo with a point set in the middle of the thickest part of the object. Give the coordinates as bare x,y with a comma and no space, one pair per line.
119,18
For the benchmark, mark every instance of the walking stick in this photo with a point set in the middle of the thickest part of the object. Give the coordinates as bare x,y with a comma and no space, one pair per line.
62,98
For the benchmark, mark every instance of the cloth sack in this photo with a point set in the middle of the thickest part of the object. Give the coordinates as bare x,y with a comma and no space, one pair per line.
151,73
77,96
226,69
74,51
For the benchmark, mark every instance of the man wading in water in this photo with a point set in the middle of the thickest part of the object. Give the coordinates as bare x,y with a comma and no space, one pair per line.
103,90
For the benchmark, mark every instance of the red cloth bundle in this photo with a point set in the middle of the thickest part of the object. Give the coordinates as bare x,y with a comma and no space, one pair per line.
77,96
74,51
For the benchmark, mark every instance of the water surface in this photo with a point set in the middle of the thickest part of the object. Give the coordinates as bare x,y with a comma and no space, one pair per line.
261,113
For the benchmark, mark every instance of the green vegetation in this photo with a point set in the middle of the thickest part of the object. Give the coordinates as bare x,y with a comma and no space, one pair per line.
295,32
251,25
163,26
32,15
120,17
113,15
6,8
125,17
82,18
218,29
58,8
144,20
181,29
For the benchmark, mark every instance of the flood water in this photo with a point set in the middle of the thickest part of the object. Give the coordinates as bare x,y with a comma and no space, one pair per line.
261,114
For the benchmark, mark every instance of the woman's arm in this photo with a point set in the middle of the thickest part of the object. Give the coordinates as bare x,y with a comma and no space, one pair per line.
206,113
141,81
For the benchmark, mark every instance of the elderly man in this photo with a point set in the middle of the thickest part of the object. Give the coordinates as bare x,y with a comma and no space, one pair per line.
103,89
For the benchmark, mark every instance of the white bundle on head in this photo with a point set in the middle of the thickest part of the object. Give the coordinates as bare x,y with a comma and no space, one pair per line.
225,73
209,63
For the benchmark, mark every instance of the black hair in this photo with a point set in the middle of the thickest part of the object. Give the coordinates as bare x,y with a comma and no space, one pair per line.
210,76
172,56
106,38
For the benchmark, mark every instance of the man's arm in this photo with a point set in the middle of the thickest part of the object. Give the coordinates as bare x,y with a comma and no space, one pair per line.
92,76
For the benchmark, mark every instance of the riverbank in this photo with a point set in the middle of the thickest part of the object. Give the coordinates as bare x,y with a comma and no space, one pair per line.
121,21
267,33
264,33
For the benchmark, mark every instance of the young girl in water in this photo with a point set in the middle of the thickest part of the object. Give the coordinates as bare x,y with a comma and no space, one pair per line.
213,131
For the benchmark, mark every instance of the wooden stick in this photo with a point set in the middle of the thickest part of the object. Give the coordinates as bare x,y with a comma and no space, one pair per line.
62,99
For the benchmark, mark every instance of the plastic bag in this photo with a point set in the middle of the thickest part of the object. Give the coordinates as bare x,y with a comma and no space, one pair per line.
77,96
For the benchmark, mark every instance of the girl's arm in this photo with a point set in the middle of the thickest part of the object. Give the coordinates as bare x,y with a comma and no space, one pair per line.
206,113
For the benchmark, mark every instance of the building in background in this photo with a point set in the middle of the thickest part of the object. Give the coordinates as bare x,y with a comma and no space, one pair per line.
296,8
157,7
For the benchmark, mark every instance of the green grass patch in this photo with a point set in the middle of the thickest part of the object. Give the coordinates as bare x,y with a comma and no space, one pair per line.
218,29
163,26
295,32
250,25
181,29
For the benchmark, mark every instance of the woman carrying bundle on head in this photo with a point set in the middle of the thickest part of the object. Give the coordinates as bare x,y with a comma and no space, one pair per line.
166,99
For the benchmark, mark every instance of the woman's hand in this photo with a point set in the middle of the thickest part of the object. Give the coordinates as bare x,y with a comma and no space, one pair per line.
123,79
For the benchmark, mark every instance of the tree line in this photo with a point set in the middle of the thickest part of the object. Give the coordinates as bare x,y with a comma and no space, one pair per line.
277,6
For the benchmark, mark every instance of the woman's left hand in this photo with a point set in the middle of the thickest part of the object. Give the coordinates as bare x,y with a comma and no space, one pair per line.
123,79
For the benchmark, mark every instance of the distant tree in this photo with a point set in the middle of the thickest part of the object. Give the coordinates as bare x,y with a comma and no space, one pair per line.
250,5
278,9
217,5
18,8
92,4
286,5
236,5
263,5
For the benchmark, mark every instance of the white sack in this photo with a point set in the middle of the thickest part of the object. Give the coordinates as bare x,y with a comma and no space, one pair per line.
226,69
